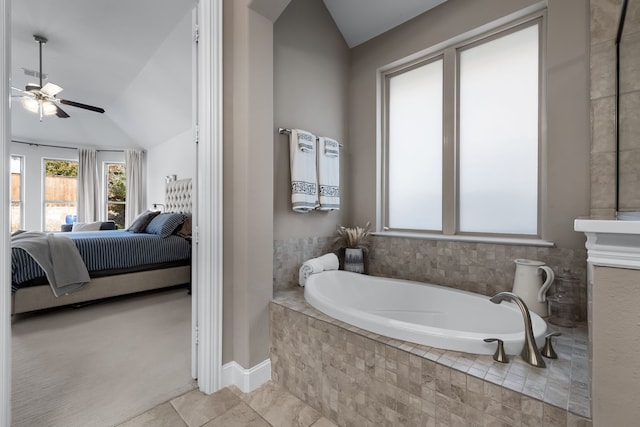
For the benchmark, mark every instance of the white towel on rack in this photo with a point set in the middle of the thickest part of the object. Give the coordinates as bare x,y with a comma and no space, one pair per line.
317,265
304,181
328,174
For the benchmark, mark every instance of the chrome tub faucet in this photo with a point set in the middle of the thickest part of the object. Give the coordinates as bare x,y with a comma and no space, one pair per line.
530,352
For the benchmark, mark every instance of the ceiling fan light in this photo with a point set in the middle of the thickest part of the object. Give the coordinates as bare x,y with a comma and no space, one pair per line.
48,108
30,104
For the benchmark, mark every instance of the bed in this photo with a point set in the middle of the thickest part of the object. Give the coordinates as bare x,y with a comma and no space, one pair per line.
119,262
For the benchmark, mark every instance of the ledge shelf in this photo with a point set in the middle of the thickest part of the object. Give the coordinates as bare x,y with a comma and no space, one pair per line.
611,243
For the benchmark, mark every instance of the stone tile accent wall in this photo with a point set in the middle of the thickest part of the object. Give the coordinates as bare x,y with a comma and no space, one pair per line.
482,268
477,267
604,25
361,379
288,256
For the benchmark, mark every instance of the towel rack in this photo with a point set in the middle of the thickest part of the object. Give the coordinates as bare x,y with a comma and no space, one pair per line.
287,131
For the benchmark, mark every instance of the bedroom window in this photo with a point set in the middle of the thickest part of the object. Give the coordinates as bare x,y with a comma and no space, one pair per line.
462,138
116,192
17,191
60,193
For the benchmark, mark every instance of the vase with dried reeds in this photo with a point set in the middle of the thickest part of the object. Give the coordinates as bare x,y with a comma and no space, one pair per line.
355,242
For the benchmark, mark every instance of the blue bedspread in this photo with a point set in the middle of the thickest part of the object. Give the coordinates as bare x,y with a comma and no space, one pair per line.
108,250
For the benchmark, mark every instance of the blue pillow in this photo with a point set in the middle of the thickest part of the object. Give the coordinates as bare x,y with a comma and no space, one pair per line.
139,225
165,224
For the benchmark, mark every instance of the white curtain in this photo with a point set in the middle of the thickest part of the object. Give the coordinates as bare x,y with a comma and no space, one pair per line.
136,186
88,186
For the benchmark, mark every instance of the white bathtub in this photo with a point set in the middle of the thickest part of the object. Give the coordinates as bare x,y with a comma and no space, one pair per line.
426,314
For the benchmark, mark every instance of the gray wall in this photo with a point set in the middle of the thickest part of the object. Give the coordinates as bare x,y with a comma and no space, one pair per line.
566,153
259,96
615,348
311,72
248,182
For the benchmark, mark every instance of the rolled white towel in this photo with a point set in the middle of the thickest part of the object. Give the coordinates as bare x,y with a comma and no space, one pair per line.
317,265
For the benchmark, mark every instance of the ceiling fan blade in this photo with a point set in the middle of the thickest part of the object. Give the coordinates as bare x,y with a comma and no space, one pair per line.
79,105
51,89
60,112
21,91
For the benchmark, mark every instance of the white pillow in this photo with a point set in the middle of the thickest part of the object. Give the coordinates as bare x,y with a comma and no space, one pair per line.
86,226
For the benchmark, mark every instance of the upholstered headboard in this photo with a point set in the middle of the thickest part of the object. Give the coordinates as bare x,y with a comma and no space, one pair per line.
177,196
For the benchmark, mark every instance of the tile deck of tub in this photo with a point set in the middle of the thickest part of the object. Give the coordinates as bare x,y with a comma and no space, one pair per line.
564,383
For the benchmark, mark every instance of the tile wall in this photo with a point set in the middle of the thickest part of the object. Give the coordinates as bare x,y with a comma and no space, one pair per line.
477,267
604,23
289,254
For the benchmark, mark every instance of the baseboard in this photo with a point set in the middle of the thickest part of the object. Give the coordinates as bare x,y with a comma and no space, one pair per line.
246,380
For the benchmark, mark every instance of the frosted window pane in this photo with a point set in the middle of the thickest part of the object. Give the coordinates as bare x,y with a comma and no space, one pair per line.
415,148
499,135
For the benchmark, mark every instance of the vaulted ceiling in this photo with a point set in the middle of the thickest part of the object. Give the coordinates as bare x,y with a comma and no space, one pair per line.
361,20
131,57
134,59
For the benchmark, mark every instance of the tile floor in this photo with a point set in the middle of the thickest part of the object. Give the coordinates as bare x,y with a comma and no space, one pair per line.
269,405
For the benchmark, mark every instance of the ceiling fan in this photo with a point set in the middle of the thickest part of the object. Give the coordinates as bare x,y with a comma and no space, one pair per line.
42,99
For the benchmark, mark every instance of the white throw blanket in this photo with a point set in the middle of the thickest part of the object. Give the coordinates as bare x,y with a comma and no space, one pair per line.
317,265
329,174
304,182
58,257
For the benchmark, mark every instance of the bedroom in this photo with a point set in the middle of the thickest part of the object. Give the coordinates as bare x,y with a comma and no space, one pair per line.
143,81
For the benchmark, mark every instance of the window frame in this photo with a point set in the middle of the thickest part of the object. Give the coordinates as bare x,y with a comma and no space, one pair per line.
449,52
22,192
105,188
44,189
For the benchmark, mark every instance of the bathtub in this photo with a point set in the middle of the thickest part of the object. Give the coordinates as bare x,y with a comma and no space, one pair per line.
431,315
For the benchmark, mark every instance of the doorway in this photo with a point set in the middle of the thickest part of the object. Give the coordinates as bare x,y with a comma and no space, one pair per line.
208,262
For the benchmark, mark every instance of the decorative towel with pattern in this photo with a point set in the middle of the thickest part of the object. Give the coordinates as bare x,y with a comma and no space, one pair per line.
304,181
329,174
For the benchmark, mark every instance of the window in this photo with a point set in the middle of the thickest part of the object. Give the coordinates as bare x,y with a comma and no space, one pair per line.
60,193
415,144
115,183
17,191
484,96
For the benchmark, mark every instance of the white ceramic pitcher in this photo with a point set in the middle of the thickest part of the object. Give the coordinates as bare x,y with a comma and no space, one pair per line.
529,286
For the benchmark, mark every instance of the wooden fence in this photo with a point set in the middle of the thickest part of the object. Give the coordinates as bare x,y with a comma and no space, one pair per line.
57,188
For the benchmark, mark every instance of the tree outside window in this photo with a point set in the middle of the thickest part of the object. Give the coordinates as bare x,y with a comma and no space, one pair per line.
116,193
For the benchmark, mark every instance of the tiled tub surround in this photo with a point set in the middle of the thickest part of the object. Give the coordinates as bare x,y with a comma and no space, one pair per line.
483,268
359,378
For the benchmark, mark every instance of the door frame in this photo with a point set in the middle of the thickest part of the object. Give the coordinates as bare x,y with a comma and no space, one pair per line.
5,179
208,235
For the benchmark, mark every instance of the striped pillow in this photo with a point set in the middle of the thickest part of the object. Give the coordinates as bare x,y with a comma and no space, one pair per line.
165,224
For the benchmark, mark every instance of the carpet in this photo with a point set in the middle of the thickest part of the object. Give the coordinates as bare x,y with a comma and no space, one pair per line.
101,364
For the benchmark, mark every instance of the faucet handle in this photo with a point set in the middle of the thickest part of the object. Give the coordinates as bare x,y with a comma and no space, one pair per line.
547,350
499,355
